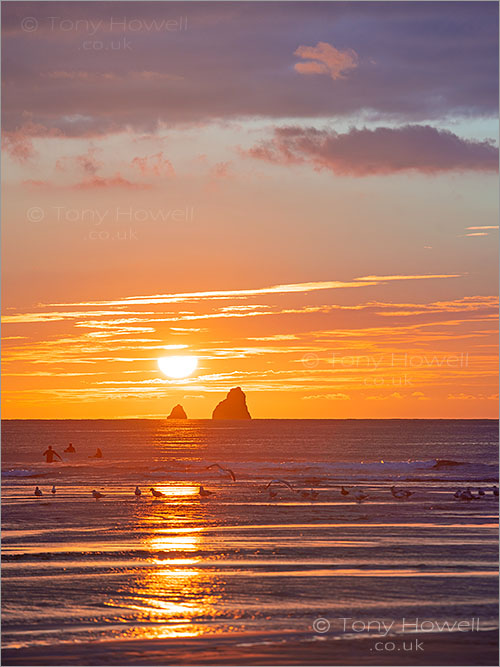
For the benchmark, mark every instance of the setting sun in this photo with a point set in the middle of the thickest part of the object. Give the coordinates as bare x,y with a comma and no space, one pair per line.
178,367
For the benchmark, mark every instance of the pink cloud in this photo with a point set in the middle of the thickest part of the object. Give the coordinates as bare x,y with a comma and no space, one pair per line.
116,181
326,59
380,151
154,164
18,143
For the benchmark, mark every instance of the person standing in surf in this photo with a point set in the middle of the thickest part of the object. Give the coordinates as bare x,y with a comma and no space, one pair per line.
49,455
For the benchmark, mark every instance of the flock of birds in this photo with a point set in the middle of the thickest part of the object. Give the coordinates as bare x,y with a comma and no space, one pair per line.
467,495
357,494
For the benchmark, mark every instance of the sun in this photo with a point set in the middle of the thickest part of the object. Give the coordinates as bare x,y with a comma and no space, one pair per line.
178,367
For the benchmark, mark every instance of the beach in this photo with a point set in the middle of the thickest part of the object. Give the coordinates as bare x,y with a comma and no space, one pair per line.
240,577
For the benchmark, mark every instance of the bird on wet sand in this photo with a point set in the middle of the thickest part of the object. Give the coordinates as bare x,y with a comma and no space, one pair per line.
157,494
137,492
53,490
343,491
98,495
38,492
401,494
204,493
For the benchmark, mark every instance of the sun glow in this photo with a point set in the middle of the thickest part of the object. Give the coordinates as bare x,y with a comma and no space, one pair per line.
178,367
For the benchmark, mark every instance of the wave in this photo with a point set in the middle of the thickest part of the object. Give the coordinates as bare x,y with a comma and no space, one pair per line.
21,472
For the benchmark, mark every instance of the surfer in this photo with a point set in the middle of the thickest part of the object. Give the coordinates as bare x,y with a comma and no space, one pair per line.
70,449
49,455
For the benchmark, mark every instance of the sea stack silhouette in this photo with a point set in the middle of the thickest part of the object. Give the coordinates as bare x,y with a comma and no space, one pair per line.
234,406
177,413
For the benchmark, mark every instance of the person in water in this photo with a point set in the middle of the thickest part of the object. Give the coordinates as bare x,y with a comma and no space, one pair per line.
49,455
97,455
70,449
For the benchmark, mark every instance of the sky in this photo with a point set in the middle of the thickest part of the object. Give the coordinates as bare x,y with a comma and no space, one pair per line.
303,195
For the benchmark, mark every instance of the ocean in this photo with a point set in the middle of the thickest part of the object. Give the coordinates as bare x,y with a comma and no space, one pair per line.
244,568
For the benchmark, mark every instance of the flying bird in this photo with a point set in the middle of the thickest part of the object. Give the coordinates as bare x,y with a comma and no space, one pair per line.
281,481
228,470
97,495
157,494
204,493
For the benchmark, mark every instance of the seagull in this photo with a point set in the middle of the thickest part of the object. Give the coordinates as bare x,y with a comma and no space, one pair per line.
157,494
203,493
281,481
401,494
312,494
38,493
97,495
467,495
53,489
230,472
137,492
357,494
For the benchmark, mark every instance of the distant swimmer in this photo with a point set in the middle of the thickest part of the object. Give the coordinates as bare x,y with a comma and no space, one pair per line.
50,453
53,490
204,493
38,493
98,495
70,449
97,455
137,492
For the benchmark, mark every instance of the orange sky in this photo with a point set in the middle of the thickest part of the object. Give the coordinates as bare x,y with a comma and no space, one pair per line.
329,262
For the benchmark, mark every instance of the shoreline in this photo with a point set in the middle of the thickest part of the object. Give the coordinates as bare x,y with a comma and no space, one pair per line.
449,649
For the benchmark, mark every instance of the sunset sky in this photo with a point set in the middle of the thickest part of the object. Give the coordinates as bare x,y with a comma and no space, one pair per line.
298,194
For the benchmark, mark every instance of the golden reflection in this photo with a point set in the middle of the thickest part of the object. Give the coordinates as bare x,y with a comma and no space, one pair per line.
173,597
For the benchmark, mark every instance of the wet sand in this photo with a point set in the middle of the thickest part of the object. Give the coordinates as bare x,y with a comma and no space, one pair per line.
448,649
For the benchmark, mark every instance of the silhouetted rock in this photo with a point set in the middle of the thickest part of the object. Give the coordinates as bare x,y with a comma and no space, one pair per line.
234,406
177,413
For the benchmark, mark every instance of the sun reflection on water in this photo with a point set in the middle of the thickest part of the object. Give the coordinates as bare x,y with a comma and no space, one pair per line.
172,598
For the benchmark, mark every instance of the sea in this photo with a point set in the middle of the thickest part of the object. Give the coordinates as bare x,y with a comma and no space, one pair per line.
279,555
